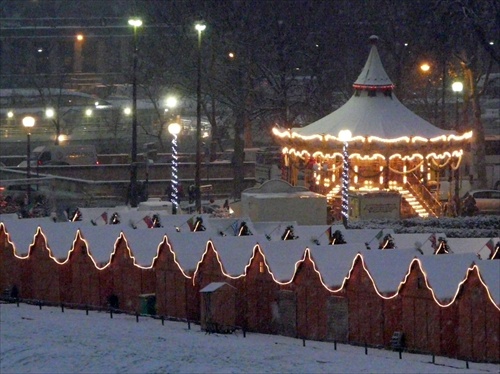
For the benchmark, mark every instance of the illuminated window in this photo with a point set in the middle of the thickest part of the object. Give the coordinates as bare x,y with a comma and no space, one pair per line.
261,267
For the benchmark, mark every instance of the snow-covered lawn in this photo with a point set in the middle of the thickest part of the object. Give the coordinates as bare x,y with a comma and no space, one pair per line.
49,341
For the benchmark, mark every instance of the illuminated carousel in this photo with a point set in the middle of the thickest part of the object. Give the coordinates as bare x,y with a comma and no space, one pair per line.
373,145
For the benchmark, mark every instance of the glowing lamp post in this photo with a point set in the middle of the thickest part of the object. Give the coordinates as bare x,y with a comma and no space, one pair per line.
345,136
174,129
457,87
197,179
135,23
28,123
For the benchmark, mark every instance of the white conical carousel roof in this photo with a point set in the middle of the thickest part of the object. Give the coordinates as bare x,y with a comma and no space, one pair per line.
373,110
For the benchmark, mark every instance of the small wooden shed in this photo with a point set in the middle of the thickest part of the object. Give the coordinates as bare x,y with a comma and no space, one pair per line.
218,308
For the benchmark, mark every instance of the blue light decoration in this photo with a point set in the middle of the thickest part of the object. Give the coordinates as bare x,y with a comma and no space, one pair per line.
345,136
174,129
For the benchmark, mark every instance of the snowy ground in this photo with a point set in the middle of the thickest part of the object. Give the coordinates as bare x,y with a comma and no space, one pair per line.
49,341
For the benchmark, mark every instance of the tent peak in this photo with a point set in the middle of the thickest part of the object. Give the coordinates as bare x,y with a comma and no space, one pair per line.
373,39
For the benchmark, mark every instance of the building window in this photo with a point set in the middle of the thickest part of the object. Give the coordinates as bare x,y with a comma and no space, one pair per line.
261,267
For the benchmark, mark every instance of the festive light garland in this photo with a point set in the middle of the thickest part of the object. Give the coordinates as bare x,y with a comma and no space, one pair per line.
345,183
175,172
370,139
257,249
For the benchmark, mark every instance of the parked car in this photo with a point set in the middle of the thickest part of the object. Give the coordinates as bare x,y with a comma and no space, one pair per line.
63,155
486,202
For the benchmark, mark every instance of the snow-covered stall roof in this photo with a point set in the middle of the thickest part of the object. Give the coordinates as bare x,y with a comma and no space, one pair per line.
445,272
363,236
188,247
59,236
144,243
273,230
230,226
281,256
101,241
314,233
334,262
388,267
470,245
214,286
235,251
417,240
490,273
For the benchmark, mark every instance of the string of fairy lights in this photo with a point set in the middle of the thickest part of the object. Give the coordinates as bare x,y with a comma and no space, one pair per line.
175,175
258,255
345,184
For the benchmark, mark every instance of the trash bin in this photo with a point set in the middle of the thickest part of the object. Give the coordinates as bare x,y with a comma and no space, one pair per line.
148,303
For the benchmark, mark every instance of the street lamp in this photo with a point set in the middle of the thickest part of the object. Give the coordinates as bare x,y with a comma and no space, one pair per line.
345,136
135,23
77,62
28,123
425,67
457,87
174,129
197,180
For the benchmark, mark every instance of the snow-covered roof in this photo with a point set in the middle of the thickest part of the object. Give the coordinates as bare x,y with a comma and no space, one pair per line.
281,257
101,241
373,73
188,247
445,272
273,230
389,267
490,273
144,243
417,240
214,286
373,110
334,262
386,267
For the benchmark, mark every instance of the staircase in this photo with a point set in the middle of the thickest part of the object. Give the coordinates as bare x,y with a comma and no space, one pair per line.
414,203
419,198
425,199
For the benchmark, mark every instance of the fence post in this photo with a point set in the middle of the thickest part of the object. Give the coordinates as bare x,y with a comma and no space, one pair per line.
162,321
62,307
111,313
137,317
86,309
366,349
303,342
40,304
433,358
335,345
